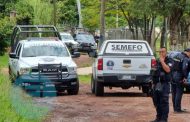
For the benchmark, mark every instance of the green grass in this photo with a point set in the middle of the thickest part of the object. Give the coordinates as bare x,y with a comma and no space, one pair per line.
85,79
16,106
4,61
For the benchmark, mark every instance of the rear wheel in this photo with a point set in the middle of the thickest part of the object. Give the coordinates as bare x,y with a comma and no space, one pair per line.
99,88
74,90
146,90
92,84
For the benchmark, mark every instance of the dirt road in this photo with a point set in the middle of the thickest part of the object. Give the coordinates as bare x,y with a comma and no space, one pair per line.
116,106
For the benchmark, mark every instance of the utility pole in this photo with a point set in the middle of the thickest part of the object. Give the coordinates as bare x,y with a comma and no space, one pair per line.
102,23
54,12
117,16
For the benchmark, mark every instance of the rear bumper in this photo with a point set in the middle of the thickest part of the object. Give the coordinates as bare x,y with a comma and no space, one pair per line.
117,81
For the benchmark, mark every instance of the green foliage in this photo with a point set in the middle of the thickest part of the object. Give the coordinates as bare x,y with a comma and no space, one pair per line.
4,61
16,106
67,12
5,31
24,12
42,12
91,14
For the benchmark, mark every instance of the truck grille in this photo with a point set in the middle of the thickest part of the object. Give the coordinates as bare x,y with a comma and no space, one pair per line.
50,71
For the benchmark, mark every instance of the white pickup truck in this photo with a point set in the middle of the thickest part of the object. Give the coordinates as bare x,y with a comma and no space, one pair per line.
122,63
44,62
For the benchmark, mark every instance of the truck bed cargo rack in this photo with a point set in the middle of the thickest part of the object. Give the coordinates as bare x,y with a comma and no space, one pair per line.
22,32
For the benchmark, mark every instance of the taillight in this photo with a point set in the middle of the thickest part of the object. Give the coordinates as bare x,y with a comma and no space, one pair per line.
153,63
100,64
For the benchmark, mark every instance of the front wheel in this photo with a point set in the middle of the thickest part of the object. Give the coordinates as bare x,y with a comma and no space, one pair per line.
74,90
99,88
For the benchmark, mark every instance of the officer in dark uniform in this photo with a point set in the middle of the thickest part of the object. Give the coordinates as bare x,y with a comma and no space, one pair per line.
179,79
161,86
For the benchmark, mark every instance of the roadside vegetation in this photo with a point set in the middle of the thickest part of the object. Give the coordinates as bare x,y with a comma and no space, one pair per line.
85,79
15,104
4,61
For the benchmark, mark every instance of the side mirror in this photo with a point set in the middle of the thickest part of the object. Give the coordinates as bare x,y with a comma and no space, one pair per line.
13,55
93,54
76,55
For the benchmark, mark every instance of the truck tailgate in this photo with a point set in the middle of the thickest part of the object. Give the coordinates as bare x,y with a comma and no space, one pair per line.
127,65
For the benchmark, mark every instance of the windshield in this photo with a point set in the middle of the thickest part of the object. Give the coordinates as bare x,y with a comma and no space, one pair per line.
85,38
44,50
66,37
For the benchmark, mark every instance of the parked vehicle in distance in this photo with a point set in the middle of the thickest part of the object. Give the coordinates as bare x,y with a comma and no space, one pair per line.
86,42
122,63
69,41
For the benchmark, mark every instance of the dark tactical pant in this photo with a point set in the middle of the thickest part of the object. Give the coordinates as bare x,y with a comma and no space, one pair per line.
177,90
177,93
161,101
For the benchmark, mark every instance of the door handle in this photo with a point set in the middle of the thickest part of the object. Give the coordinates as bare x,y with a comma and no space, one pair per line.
126,61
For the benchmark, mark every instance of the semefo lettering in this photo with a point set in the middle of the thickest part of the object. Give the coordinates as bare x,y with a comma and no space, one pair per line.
127,47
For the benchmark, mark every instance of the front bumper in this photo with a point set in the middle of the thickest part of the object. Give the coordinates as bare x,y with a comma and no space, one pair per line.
117,81
37,81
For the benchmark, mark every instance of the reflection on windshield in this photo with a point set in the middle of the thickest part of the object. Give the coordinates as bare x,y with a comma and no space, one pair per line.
85,38
44,50
66,37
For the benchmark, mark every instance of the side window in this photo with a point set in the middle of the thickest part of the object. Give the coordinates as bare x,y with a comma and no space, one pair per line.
18,49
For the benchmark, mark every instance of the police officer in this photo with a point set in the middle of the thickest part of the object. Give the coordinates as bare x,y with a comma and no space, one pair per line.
161,86
179,78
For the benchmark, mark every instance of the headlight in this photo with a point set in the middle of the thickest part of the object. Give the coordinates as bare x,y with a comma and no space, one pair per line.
94,47
75,45
72,69
24,71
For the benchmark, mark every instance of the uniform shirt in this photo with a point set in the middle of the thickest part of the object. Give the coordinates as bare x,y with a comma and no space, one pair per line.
162,75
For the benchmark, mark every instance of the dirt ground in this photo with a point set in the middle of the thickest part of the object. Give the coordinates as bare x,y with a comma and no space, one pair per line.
116,106
83,61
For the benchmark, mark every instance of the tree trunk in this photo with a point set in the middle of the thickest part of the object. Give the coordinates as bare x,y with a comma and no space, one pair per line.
163,42
102,23
174,21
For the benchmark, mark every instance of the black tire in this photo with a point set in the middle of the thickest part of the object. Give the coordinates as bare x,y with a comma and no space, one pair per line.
146,90
74,90
99,88
92,85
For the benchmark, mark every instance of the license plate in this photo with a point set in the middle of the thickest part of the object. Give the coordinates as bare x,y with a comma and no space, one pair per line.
128,77
49,85
49,70
86,48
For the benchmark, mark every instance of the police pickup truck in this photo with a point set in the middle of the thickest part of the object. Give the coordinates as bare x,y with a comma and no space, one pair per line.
122,63
44,62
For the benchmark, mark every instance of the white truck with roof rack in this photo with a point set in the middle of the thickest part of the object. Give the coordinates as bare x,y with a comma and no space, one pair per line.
122,63
41,60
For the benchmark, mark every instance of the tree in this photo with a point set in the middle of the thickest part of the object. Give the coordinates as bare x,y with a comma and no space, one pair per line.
67,13
91,14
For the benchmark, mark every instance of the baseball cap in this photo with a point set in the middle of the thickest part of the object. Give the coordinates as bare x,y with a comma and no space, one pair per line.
187,50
